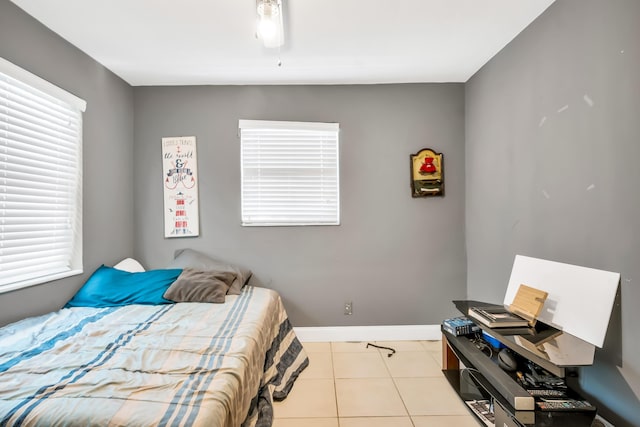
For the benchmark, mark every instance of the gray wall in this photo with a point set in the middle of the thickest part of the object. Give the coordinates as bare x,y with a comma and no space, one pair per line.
107,152
552,146
542,180
400,260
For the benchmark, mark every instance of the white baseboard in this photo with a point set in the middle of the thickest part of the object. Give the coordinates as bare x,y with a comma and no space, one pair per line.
369,333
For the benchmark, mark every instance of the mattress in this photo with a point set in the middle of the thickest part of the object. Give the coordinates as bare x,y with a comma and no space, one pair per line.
184,364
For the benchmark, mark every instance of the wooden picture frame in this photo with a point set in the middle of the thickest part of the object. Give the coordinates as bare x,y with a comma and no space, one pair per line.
427,173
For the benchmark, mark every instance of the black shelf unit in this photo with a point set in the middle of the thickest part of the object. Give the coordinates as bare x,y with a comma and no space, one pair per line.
480,377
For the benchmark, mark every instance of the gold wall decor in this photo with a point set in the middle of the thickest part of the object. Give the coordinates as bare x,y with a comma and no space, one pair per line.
427,173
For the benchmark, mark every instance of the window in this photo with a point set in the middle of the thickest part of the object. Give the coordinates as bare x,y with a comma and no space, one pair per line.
40,180
290,173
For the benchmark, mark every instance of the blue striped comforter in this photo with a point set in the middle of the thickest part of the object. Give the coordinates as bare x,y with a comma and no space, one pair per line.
185,364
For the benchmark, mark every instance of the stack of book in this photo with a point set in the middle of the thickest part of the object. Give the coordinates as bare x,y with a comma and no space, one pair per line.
522,312
497,317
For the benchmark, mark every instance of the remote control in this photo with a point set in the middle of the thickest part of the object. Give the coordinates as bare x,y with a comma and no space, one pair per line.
546,392
484,410
565,405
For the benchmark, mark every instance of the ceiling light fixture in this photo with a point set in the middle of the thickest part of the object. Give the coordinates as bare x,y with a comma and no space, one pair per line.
270,28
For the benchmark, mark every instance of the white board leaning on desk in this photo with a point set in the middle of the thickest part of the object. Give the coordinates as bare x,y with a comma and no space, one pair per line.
580,299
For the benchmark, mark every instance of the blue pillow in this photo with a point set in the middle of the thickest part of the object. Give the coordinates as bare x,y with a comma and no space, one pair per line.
110,287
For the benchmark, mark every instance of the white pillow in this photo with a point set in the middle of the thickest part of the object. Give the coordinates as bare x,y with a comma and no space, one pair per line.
130,265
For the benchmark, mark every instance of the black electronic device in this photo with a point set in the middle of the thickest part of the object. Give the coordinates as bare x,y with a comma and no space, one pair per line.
538,377
484,410
460,326
565,405
507,360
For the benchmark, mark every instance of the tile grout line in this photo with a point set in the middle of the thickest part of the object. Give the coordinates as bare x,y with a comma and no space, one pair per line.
395,385
335,388
336,420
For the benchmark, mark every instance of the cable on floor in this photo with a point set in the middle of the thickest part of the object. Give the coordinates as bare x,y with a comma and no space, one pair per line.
384,348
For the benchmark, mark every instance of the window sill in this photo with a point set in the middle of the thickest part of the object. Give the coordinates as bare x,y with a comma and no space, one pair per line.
38,280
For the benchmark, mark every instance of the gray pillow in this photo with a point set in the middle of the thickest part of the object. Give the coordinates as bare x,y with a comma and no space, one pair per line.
200,286
188,258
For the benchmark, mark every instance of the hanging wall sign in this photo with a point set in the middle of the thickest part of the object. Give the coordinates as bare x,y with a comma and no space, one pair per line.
180,181
427,173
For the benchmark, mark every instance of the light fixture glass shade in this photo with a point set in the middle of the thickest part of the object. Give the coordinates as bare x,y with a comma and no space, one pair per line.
270,29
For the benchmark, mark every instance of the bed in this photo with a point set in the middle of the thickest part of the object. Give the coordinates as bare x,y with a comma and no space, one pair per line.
181,364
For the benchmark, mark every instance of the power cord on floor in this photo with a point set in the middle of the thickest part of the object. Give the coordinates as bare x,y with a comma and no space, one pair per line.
384,348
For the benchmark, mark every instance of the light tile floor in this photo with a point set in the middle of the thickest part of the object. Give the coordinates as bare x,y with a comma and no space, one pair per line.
350,385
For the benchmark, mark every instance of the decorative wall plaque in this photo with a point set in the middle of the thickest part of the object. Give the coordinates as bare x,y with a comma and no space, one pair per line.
427,173
180,181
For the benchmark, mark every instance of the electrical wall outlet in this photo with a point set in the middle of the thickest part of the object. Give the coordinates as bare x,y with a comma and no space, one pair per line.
348,308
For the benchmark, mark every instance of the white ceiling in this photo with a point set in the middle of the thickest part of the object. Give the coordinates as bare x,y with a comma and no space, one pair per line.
189,42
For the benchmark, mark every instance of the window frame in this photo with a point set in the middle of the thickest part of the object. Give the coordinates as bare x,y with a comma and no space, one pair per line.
298,128
76,107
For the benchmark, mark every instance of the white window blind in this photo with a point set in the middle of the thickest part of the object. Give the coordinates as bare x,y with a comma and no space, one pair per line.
290,173
40,179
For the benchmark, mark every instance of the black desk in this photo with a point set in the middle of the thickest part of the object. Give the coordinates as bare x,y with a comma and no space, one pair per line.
482,378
